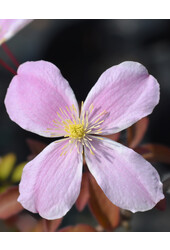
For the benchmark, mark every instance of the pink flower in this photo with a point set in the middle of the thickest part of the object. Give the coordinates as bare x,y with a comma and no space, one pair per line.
40,100
9,27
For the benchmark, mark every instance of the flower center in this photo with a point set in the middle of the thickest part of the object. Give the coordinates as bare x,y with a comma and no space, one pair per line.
78,128
75,131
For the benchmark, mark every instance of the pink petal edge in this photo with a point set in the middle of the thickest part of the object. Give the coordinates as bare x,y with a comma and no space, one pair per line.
126,92
126,178
35,95
51,182
9,27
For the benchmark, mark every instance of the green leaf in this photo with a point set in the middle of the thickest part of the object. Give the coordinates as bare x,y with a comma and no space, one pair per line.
6,165
4,188
16,175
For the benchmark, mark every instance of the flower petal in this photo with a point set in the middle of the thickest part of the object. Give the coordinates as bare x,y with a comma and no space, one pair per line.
126,92
126,178
9,27
35,95
51,182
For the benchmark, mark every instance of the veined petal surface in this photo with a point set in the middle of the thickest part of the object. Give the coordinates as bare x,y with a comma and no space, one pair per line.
126,93
126,178
51,182
9,27
36,94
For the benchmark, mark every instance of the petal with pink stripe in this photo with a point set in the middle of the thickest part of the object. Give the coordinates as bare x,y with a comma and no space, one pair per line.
125,93
36,96
126,178
51,182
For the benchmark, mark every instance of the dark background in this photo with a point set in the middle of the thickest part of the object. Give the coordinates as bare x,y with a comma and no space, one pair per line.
83,49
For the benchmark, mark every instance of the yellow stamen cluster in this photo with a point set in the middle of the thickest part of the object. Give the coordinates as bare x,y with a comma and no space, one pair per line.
78,129
75,131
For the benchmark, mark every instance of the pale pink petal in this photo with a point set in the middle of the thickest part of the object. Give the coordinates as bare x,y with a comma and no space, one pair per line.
126,93
51,182
36,94
126,178
9,27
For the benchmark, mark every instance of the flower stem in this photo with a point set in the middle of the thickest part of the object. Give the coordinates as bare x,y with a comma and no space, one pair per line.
7,67
10,54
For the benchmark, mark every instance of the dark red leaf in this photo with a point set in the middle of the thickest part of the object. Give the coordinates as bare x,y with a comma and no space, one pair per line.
23,222
84,193
157,152
142,151
44,225
166,185
52,225
106,213
35,147
136,132
9,204
40,226
161,205
78,228
114,137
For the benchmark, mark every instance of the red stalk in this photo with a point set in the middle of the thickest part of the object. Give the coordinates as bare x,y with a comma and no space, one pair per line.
7,67
10,55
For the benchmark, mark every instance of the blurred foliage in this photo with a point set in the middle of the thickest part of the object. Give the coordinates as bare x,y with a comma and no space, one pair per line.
6,165
9,172
17,172
8,203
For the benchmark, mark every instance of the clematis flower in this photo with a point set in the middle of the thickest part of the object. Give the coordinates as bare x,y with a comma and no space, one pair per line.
9,27
40,100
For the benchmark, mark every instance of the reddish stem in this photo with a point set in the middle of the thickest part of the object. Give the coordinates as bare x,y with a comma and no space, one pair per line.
9,53
7,67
